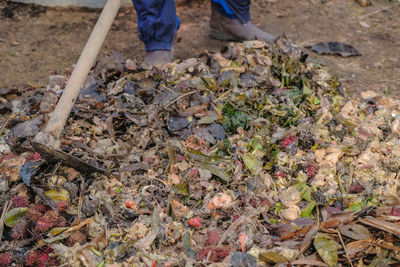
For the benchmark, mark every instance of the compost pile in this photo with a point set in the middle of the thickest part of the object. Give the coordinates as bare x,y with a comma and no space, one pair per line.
245,157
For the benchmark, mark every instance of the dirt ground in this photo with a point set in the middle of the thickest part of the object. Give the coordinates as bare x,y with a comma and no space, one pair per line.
36,42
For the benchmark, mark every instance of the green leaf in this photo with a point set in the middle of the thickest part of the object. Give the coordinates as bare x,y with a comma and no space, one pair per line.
254,165
187,243
272,257
327,249
357,205
307,90
307,212
306,194
300,186
13,216
221,173
181,189
198,156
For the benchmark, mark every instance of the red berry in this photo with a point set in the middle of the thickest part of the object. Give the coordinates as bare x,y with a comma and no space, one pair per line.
195,222
34,157
48,249
395,211
5,259
287,141
311,171
280,174
43,259
32,258
62,205
43,224
214,254
235,217
18,202
18,231
39,207
253,202
130,204
212,238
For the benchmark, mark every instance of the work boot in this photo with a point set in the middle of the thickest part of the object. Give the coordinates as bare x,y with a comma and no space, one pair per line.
228,29
158,58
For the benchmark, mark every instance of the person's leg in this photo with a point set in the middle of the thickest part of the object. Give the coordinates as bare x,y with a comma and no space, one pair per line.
230,21
157,25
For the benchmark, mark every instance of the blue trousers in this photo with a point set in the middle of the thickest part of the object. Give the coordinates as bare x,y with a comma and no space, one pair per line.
157,21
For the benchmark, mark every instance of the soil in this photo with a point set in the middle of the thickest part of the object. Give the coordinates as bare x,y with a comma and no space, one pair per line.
36,42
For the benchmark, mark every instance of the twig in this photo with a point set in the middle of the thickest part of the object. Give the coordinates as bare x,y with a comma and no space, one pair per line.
12,116
216,109
2,218
341,188
80,203
307,241
344,247
223,95
161,181
180,97
384,246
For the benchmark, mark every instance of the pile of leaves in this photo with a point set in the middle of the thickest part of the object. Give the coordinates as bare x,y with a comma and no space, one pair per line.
250,156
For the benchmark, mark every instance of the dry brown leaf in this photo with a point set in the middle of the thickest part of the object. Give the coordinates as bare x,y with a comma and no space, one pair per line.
291,213
9,168
179,209
355,231
174,179
393,228
220,200
290,197
355,248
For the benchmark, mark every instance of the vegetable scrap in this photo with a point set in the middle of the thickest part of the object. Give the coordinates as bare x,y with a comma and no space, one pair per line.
250,156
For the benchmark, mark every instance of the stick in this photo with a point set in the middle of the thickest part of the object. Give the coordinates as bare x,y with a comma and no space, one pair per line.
11,117
180,97
79,75
344,247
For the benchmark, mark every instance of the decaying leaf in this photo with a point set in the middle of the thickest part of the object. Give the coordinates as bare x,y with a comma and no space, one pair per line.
357,247
10,167
254,165
332,48
58,195
220,200
248,149
291,213
327,248
393,228
13,216
179,209
290,197
272,258
355,231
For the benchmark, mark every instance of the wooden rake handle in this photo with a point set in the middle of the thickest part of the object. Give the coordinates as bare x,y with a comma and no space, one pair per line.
60,115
